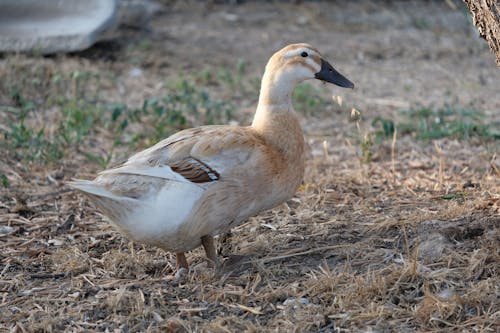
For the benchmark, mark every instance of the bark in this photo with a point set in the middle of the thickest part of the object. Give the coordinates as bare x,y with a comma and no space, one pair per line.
486,17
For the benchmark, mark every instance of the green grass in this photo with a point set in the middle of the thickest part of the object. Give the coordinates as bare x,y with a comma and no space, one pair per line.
235,83
183,107
430,123
463,123
4,180
82,116
307,99
22,139
35,141
29,137
77,120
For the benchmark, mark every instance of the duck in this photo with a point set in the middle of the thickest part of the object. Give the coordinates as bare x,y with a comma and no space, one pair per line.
200,182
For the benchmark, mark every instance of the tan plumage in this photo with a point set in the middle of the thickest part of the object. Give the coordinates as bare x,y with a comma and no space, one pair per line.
199,182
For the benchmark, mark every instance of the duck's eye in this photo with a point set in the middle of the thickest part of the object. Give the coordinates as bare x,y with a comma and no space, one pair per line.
304,54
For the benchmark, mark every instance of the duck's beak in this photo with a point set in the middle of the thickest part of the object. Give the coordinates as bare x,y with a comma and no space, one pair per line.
329,74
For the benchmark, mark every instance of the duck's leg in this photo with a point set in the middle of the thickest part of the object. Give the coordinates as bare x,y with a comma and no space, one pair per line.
181,260
182,266
209,246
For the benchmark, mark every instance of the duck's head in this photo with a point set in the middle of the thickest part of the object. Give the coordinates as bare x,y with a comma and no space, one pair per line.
299,62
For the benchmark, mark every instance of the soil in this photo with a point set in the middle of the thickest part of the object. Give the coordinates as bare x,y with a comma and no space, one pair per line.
408,242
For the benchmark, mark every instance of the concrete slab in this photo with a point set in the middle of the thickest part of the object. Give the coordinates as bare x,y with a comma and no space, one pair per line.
52,26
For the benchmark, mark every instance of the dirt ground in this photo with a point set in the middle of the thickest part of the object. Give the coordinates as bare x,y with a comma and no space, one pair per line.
406,239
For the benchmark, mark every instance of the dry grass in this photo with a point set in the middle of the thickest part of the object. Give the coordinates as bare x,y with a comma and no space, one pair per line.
406,240
352,250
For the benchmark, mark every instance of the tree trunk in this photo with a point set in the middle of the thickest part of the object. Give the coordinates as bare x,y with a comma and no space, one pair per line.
486,17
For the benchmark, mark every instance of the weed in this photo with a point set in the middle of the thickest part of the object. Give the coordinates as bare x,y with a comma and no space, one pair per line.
168,120
366,138
102,160
427,123
25,105
454,196
183,107
307,99
78,118
206,77
235,83
225,77
254,85
31,143
420,23
145,45
387,128
4,180
22,139
366,148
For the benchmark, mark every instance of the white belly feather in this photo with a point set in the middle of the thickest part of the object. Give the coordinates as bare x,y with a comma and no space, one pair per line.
154,217
159,215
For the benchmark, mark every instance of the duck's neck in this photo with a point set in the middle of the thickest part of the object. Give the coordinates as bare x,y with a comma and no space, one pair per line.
275,118
276,92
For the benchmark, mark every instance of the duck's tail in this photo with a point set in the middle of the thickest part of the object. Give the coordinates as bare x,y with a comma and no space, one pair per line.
114,206
91,188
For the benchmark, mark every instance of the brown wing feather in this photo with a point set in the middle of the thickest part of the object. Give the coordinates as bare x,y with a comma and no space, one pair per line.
194,170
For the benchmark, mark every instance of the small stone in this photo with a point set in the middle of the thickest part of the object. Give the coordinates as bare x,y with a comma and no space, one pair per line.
55,242
5,229
74,295
446,294
432,247
296,301
231,17
135,72
157,317
301,20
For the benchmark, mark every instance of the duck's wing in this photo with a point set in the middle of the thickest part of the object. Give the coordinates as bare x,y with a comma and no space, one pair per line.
186,170
197,157
194,170
176,147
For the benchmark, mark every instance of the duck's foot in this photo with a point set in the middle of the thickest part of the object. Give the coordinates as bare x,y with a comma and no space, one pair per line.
181,274
209,246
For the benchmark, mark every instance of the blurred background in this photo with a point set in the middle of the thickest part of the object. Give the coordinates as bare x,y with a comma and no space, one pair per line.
424,57
400,54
